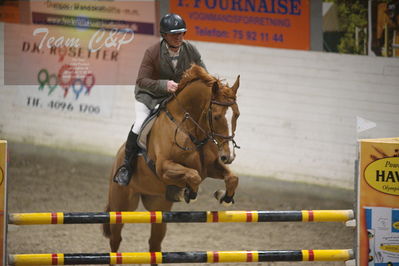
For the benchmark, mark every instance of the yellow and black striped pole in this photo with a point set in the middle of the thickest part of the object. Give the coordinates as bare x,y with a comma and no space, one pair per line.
181,257
181,217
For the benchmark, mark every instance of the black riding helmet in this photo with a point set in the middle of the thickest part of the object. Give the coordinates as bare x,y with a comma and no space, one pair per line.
172,23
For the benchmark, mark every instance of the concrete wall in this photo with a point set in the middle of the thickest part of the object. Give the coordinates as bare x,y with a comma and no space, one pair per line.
298,112
299,109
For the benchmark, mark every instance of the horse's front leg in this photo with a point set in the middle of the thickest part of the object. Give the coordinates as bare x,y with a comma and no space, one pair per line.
221,171
177,174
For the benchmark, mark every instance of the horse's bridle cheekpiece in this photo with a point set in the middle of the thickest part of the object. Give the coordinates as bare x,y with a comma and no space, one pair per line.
228,138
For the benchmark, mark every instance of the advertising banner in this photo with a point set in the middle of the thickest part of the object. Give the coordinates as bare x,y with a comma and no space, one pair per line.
138,16
9,11
269,23
378,202
74,50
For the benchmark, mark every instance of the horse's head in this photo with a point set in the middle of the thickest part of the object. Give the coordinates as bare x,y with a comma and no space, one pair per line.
224,115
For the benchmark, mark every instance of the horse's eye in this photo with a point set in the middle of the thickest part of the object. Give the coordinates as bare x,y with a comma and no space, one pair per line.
217,117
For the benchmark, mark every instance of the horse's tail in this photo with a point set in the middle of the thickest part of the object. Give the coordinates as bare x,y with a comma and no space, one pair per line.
107,227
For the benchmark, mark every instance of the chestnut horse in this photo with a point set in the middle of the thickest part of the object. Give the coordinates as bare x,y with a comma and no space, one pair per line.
188,142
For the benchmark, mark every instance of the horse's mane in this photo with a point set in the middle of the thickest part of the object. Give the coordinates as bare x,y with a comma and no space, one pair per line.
196,72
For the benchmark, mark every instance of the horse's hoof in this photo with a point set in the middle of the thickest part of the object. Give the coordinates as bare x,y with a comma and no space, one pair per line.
174,193
227,204
189,195
222,197
219,194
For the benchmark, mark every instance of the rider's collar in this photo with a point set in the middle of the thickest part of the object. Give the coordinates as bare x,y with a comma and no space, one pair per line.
169,47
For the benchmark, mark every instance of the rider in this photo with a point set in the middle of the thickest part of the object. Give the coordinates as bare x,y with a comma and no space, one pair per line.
161,69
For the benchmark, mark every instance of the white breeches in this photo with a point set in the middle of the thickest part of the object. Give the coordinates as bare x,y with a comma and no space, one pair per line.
142,112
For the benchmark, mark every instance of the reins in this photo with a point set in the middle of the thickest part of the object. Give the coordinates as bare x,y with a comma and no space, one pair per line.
209,136
197,143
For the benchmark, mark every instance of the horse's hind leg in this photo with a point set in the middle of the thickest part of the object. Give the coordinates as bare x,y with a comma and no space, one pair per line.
115,238
120,200
158,231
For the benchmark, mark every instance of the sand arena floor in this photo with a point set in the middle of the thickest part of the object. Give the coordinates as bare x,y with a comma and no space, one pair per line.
44,179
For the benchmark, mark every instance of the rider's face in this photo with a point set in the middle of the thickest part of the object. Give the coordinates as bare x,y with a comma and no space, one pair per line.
174,39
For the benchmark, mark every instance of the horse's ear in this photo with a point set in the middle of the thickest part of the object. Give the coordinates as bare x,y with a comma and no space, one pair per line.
236,84
215,87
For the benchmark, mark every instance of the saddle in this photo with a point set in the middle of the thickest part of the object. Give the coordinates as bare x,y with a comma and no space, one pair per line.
149,121
146,129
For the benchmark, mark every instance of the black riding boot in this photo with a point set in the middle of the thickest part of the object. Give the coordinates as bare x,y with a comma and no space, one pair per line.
124,173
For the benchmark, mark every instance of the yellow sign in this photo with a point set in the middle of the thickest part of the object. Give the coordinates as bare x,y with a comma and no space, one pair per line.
383,175
378,195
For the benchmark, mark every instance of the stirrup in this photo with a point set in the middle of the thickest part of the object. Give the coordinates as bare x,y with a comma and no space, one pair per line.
122,176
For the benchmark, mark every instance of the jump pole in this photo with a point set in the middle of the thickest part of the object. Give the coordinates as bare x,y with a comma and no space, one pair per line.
181,257
180,217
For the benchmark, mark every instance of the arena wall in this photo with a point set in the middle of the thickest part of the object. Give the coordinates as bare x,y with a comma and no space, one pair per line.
298,118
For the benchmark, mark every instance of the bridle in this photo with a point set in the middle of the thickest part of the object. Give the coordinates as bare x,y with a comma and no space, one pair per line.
214,134
210,136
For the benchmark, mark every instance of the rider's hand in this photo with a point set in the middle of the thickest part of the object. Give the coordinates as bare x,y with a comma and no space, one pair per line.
171,86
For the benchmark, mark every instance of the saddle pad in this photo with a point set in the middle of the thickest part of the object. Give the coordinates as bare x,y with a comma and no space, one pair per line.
148,122
146,128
